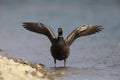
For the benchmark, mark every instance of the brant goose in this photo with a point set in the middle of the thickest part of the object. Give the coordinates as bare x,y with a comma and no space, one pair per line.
60,48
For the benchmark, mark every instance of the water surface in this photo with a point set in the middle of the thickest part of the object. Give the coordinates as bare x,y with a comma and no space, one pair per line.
95,56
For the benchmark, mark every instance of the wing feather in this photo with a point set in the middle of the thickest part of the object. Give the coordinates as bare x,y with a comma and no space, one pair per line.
40,28
82,31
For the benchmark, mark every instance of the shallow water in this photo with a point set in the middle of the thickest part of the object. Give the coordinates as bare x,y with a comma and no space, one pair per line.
95,56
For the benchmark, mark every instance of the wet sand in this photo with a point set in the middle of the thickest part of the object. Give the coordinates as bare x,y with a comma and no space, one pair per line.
16,69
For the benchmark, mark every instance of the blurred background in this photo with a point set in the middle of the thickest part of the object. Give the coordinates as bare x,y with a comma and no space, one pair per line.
99,50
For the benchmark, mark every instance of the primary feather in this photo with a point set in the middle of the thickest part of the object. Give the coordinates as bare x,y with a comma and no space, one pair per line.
40,28
82,31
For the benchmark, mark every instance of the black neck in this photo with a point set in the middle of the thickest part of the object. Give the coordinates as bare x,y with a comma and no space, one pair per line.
60,32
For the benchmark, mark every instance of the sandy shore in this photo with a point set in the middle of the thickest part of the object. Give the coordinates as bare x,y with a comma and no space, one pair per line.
16,69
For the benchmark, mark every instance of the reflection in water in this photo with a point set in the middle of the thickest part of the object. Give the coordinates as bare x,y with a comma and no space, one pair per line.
64,71
86,73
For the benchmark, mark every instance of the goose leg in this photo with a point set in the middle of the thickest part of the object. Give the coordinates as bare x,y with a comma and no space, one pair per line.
64,62
55,62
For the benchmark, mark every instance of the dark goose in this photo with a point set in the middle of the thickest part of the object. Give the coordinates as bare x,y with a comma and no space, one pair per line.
60,48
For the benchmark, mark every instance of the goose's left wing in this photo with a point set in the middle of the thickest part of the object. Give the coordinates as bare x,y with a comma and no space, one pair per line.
40,28
82,31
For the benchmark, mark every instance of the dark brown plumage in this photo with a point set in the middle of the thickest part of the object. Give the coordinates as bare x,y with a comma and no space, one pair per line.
60,48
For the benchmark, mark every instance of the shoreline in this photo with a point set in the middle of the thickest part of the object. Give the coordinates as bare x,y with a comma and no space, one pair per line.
22,70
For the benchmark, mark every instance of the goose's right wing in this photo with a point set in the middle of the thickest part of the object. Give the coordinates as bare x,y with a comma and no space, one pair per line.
82,31
40,28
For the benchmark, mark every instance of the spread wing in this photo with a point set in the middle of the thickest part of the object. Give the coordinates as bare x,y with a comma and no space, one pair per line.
82,31
40,28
